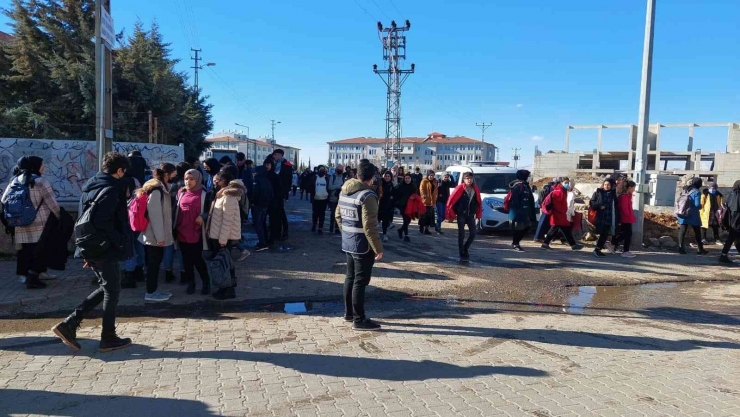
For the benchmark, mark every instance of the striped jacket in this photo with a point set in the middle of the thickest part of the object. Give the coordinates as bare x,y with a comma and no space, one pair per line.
43,197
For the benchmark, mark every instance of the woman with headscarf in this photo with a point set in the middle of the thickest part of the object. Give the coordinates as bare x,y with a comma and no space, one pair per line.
211,166
521,208
731,221
711,201
29,173
693,219
191,236
401,195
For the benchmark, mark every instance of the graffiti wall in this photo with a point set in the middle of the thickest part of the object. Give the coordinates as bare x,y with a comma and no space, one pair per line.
70,163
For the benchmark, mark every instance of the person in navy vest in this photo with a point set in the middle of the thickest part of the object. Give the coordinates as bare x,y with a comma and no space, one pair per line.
357,219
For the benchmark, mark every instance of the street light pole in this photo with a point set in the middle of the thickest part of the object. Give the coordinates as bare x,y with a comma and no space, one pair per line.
273,132
255,143
644,121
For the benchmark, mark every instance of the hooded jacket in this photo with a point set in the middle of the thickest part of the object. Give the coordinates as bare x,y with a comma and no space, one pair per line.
607,210
521,206
693,219
285,176
111,215
429,191
369,213
559,198
386,207
224,223
159,212
262,192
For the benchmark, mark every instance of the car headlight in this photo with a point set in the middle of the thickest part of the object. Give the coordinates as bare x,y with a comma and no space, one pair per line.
494,202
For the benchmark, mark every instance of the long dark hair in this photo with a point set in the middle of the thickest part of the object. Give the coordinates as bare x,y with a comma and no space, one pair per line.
28,166
165,168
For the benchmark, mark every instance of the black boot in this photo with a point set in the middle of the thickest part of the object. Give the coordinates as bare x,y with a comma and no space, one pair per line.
191,284
33,282
139,274
169,276
68,333
184,278
112,342
206,285
127,281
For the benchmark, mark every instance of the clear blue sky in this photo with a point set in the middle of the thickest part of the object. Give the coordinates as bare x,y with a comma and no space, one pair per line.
530,67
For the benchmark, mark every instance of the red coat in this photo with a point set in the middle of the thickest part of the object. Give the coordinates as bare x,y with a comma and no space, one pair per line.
626,214
559,198
455,196
414,207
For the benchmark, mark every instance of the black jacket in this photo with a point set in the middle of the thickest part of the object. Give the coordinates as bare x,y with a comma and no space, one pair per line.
286,178
111,216
444,191
51,250
604,220
402,193
385,206
466,206
262,193
733,205
245,174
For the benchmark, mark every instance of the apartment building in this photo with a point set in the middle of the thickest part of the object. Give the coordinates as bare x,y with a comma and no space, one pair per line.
254,149
435,151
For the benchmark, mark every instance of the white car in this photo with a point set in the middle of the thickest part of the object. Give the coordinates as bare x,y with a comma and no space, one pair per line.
493,179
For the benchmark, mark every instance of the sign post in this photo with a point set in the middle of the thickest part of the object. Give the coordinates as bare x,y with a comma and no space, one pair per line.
104,41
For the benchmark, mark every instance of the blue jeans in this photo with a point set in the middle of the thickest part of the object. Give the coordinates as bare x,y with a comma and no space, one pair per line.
441,212
170,254
138,259
259,215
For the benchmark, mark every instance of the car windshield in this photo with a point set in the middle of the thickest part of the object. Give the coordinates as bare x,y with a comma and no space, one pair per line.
494,183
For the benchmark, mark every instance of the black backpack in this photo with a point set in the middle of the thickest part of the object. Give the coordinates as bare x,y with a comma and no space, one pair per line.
91,243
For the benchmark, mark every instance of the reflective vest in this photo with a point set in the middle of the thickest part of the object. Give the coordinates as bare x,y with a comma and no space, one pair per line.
353,235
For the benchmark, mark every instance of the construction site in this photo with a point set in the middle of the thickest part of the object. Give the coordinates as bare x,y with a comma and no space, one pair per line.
720,164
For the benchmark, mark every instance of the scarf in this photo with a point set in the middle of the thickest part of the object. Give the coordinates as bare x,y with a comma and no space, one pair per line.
278,165
198,180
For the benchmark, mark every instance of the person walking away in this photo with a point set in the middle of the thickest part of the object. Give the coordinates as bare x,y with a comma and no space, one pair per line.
357,219
191,237
692,218
223,223
134,250
227,163
556,203
104,195
711,201
465,205
302,184
521,208
401,196
385,206
732,222
320,200
294,184
27,184
261,203
137,166
604,203
442,196
626,218
543,226
284,169
336,181
158,233
428,189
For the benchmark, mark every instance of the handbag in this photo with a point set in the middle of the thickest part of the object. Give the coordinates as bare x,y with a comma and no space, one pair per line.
593,216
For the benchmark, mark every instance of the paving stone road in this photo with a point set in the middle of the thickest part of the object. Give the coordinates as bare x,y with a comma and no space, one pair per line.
425,364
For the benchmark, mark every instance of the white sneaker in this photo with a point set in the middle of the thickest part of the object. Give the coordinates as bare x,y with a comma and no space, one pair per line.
385,238
628,255
22,279
610,248
244,255
156,296
47,276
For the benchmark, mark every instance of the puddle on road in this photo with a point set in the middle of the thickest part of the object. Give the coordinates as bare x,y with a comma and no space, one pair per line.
309,307
623,296
577,303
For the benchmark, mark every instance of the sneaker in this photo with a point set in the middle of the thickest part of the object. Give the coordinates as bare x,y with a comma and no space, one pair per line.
157,296
392,226
68,334
610,248
693,245
725,260
439,232
22,279
260,248
719,243
244,255
517,248
47,276
385,238
628,255
366,324
465,258
599,254
348,319
114,343
546,246
577,246
406,239
704,242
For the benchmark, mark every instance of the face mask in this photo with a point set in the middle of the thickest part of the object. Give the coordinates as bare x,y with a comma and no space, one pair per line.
712,191
322,173
566,186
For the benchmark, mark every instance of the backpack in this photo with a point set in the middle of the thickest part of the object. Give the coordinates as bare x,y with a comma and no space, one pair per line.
138,217
220,269
18,209
507,202
322,191
92,244
684,205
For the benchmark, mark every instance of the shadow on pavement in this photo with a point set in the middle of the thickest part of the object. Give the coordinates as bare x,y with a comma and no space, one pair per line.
17,401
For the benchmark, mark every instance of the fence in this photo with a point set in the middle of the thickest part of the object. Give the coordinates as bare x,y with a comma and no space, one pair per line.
70,163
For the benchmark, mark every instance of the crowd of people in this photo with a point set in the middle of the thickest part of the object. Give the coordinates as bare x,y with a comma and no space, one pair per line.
193,212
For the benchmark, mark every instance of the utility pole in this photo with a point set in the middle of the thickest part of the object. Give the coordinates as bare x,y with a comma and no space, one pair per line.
150,127
516,157
197,67
483,127
643,122
104,39
156,130
273,132
394,52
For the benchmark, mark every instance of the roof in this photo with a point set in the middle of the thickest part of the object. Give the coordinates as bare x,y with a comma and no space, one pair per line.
6,37
223,137
434,137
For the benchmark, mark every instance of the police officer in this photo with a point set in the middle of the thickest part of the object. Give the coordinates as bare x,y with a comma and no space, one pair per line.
357,218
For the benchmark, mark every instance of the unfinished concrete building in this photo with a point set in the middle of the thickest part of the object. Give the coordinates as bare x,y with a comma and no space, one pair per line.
723,166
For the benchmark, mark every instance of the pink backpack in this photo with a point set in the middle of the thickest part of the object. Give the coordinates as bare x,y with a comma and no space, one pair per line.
137,213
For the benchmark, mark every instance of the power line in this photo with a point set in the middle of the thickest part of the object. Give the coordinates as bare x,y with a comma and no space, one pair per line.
193,21
216,77
365,10
381,10
182,25
395,7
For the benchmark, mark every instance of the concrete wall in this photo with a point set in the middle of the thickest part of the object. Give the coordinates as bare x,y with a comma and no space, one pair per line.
727,165
555,165
733,140
70,163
